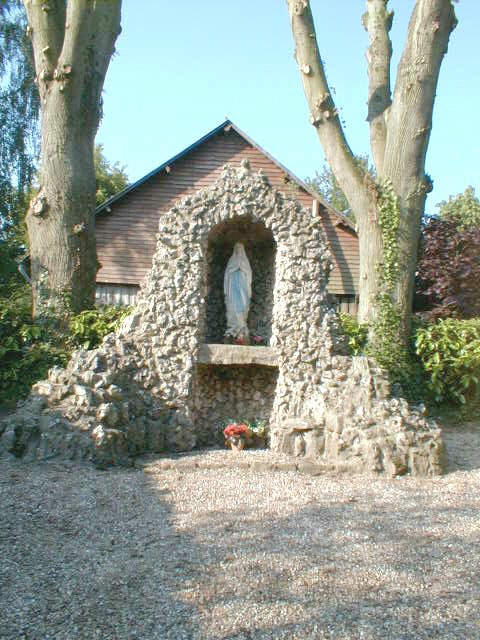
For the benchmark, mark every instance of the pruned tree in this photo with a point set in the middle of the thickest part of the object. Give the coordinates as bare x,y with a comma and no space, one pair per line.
73,41
389,209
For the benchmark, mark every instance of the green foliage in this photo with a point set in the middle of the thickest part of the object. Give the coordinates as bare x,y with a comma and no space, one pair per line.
111,179
386,344
463,210
444,365
356,333
27,350
88,328
326,184
19,114
10,277
19,139
258,427
449,351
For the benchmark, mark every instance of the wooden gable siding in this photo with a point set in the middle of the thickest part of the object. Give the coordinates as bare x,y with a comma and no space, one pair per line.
126,237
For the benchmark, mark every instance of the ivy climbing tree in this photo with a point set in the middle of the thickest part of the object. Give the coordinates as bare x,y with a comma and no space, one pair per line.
389,208
73,41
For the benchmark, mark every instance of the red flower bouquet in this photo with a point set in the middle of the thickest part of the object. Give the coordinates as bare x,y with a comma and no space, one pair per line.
237,436
235,430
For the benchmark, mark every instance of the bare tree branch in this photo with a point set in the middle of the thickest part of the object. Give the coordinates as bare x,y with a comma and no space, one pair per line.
378,22
106,18
106,28
324,115
76,40
46,29
410,118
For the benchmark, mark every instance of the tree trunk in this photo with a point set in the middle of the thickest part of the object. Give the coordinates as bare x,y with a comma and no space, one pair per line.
60,221
72,42
388,211
370,248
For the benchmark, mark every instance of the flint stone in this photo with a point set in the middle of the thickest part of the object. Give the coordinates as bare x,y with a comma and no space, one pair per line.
108,414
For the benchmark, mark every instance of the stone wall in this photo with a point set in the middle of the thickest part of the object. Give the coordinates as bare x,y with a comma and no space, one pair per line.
354,423
146,389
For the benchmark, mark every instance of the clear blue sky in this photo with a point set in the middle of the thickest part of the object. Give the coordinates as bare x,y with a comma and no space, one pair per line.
183,66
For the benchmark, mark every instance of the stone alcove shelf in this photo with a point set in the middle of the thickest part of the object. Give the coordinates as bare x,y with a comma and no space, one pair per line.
232,354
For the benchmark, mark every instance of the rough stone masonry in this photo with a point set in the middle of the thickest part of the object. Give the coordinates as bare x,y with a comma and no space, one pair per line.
147,388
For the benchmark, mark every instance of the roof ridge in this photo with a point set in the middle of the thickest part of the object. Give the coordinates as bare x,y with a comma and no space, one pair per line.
226,123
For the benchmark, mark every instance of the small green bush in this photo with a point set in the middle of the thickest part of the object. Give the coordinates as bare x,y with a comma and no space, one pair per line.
88,328
449,351
356,333
28,350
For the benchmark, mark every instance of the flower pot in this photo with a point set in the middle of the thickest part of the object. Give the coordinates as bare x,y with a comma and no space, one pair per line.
237,443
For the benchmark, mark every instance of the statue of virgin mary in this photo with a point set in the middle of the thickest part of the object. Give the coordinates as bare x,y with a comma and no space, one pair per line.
237,286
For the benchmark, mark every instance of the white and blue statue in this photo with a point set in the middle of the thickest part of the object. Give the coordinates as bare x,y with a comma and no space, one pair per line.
237,286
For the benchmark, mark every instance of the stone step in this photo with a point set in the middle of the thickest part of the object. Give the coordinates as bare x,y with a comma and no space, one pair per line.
255,460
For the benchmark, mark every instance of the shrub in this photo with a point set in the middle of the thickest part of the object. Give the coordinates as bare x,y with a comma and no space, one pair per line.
28,350
449,351
448,270
356,333
88,328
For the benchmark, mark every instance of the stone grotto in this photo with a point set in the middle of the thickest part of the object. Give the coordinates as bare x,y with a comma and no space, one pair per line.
166,380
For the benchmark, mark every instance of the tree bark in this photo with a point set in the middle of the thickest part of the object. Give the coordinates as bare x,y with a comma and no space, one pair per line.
378,22
72,44
399,133
408,132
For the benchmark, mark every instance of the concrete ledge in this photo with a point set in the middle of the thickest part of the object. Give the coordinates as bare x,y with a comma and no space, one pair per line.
232,354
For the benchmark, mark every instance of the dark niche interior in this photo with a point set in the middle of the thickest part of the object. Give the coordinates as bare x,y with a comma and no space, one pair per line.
233,393
260,248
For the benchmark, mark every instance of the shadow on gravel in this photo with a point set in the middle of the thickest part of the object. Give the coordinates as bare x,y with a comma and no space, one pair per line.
87,554
93,570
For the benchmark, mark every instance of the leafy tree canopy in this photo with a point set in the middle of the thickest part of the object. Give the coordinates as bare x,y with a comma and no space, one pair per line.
326,184
19,134
19,113
110,178
463,210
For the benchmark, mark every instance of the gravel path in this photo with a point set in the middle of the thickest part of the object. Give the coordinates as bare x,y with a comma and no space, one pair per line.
194,551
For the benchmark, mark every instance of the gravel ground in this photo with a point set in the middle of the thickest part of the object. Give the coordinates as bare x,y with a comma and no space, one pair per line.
208,549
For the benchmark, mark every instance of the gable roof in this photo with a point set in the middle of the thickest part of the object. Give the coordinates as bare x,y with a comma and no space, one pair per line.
227,125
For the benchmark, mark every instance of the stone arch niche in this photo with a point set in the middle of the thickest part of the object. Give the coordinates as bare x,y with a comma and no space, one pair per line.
233,383
182,303
260,248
